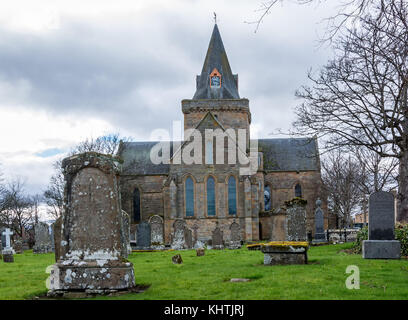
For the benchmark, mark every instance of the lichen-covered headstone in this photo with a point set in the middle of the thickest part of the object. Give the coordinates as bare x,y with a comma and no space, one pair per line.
43,243
91,243
381,243
179,235
157,232
319,223
235,242
217,239
296,220
127,249
57,238
143,235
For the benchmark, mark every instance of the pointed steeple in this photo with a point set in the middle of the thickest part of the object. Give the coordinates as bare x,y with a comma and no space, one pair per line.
216,80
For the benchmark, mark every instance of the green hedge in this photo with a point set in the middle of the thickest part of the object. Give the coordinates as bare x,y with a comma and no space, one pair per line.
401,234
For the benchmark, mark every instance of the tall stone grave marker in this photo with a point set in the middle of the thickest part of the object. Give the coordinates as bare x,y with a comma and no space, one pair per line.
235,242
296,220
43,243
157,232
7,251
319,223
143,236
178,238
381,243
127,249
57,238
217,238
91,244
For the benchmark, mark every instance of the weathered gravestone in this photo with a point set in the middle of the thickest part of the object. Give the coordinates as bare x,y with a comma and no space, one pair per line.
235,242
57,238
2,239
18,246
177,259
217,238
43,243
381,243
143,241
319,236
91,244
188,236
127,249
157,232
296,220
7,251
178,238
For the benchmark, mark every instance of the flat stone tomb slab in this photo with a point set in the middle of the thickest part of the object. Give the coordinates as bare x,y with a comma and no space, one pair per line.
284,255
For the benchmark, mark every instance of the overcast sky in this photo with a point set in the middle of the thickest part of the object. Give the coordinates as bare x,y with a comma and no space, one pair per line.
76,69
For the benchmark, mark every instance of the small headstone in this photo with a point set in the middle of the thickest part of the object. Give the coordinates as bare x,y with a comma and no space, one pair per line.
43,243
235,242
381,243
57,238
319,236
188,236
217,238
127,249
200,252
157,232
143,236
7,251
177,259
18,246
178,238
296,222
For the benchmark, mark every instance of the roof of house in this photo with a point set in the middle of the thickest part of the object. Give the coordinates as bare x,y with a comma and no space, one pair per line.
293,154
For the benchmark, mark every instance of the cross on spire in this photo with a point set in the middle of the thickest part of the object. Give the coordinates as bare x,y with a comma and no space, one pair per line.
215,18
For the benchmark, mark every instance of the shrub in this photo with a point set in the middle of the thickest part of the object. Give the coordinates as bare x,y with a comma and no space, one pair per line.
401,234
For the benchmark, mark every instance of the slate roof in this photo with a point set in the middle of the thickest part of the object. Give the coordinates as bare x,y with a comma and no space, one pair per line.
300,154
290,154
216,58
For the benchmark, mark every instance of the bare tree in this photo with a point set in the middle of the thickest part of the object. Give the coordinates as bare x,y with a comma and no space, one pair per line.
18,209
341,176
348,11
360,97
54,194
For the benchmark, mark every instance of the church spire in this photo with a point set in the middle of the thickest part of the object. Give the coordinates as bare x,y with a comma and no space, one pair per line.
216,80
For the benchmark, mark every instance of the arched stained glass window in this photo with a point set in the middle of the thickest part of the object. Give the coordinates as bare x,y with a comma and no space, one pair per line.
136,205
189,190
298,191
268,198
232,195
210,196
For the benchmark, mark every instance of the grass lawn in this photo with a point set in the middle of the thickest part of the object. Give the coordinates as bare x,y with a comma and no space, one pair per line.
208,277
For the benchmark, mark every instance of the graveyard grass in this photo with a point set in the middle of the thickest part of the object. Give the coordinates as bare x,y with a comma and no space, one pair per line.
207,277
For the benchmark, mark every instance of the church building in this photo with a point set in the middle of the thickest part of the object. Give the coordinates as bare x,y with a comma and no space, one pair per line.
209,194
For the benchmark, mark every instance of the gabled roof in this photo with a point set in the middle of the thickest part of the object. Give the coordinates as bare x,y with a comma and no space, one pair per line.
290,154
300,154
216,58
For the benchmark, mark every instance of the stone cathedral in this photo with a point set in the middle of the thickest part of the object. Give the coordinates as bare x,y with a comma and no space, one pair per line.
209,196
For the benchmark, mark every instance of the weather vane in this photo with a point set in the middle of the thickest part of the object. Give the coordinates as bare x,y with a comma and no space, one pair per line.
215,18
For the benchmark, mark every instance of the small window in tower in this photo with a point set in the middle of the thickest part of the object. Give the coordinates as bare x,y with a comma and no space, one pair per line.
215,79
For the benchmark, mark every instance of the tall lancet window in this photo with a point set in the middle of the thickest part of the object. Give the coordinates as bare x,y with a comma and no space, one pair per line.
232,195
136,205
210,196
189,197
298,191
